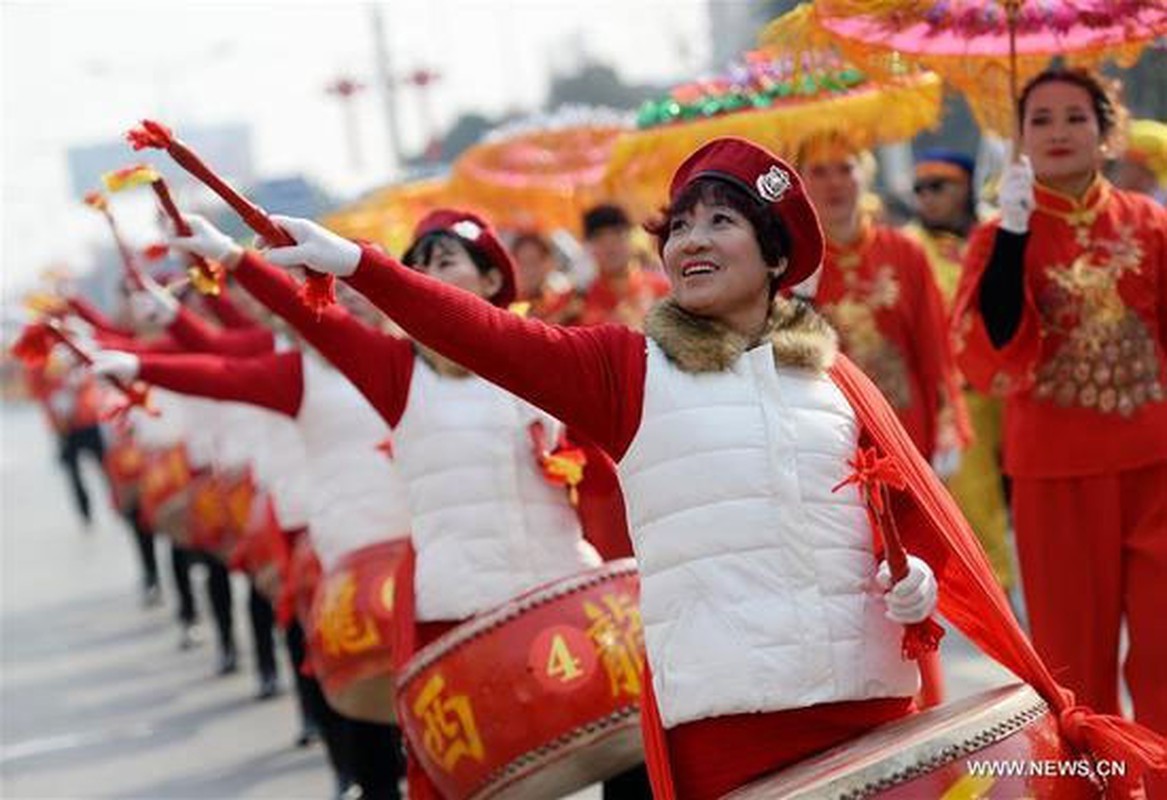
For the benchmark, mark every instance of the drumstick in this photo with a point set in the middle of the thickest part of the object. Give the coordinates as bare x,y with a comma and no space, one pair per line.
319,290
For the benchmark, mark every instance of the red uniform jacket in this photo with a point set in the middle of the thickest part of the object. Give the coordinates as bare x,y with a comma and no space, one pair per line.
881,296
1085,373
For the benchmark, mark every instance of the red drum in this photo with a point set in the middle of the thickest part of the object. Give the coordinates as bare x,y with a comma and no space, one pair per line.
166,479
125,463
300,588
537,698
1002,743
262,550
354,635
206,516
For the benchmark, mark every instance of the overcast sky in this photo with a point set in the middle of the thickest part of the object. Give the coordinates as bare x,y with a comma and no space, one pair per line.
83,72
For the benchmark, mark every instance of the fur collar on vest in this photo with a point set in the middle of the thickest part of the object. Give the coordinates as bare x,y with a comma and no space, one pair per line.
800,336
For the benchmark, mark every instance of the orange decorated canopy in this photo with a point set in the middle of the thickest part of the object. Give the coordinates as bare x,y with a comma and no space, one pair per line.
773,101
542,172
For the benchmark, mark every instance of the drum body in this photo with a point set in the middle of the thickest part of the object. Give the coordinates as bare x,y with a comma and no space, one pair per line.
125,463
353,629
949,751
165,487
536,698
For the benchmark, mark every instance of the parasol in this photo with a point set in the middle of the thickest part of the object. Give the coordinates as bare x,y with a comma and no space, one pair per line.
983,48
778,101
387,216
543,171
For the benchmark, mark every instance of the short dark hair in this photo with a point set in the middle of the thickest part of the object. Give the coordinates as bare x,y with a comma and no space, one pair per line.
771,233
599,217
1107,109
421,251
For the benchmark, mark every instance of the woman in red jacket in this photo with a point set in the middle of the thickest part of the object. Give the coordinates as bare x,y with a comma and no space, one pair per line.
1063,311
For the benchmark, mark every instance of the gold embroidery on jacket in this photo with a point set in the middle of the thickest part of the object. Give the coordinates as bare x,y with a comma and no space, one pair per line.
853,316
1106,359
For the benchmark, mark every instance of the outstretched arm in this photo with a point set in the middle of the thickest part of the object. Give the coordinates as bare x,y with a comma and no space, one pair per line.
378,364
274,381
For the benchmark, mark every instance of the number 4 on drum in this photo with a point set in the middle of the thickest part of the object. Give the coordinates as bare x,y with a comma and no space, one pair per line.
562,658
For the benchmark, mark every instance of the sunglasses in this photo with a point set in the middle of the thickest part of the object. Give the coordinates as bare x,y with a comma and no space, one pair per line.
932,185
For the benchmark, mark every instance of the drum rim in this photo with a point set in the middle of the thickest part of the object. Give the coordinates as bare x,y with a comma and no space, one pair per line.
1009,708
480,625
626,716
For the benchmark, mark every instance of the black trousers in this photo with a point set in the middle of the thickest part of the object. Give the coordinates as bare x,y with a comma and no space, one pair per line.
72,445
629,785
377,758
263,621
145,545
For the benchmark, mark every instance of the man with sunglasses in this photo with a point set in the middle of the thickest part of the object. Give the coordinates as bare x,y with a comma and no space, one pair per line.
946,207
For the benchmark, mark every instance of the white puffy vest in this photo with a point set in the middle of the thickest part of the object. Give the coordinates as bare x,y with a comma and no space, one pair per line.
358,496
270,444
486,525
757,589
163,430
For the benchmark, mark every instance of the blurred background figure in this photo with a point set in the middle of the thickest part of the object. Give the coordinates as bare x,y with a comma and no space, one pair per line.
1143,167
621,292
946,205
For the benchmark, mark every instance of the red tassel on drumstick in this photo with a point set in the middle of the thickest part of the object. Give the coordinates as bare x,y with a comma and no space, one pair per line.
873,474
319,290
206,276
37,340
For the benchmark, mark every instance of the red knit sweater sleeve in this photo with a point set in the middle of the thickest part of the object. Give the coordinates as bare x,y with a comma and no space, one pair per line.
274,381
378,364
228,312
198,336
91,314
132,344
590,378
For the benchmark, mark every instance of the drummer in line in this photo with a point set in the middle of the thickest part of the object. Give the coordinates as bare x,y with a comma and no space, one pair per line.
455,438
732,413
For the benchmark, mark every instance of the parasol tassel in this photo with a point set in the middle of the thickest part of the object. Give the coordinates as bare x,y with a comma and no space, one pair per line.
319,291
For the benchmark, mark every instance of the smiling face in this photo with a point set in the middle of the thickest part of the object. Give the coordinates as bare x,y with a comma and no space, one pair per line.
445,258
1061,132
714,262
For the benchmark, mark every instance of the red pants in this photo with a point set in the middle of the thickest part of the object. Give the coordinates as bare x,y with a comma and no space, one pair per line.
1093,550
712,757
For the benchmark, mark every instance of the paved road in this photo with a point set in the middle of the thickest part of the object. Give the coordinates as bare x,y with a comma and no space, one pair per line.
97,701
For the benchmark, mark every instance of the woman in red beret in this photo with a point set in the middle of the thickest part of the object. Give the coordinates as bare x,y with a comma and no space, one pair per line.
758,469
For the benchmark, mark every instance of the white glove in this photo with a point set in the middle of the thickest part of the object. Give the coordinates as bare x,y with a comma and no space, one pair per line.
913,599
946,461
1015,195
153,305
316,247
116,364
205,240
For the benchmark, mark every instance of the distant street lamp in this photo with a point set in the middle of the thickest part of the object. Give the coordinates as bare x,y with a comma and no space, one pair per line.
424,80
346,90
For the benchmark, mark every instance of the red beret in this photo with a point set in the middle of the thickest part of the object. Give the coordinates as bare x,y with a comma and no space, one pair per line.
772,183
477,232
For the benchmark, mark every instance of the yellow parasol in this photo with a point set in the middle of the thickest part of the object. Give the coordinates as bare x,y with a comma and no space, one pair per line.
773,101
